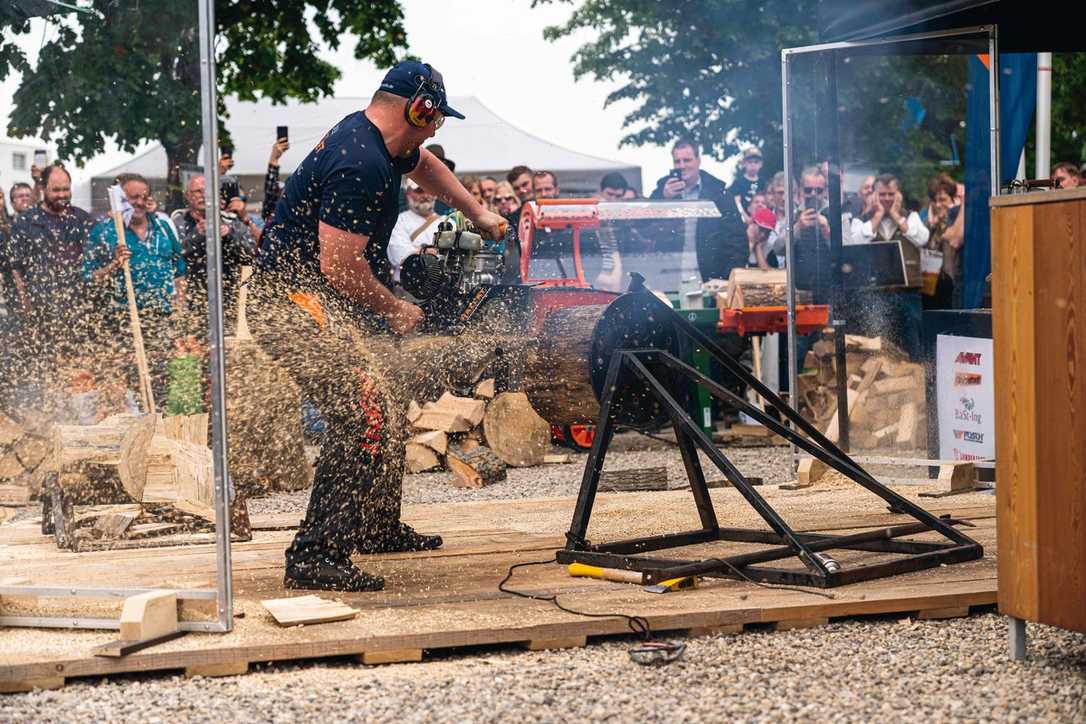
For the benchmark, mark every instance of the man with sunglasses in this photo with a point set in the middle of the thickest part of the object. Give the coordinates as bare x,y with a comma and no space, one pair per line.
323,285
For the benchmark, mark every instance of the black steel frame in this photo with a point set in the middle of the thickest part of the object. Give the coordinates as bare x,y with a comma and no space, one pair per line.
643,367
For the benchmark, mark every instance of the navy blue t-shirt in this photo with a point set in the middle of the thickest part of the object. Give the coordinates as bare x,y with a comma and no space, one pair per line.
348,181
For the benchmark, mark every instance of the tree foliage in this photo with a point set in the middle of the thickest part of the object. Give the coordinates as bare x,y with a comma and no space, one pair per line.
1068,107
710,70
130,72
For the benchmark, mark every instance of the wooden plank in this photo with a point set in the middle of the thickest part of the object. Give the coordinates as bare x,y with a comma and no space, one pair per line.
304,610
727,629
934,614
1013,313
225,668
791,624
392,656
562,642
24,685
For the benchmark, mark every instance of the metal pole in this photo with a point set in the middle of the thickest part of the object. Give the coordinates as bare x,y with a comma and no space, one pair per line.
1044,116
209,105
993,108
837,278
789,250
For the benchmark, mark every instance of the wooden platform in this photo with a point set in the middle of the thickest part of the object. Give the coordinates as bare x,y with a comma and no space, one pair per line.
449,598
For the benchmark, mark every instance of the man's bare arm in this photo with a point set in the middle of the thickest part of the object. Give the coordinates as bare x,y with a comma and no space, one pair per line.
434,176
345,268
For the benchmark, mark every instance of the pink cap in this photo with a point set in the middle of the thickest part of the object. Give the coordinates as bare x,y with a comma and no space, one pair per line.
765,218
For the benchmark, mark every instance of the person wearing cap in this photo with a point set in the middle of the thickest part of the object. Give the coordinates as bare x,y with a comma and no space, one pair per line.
323,284
414,227
762,222
747,183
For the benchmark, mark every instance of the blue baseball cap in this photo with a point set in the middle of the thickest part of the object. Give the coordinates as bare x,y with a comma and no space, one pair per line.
404,80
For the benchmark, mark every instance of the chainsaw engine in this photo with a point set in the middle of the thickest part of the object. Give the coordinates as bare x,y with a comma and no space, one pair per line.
453,277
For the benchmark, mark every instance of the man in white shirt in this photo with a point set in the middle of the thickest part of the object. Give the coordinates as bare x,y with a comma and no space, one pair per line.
894,313
414,228
886,219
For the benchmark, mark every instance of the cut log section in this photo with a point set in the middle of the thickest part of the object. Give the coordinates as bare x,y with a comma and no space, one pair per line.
635,479
514,431
557,378
120,442
475,468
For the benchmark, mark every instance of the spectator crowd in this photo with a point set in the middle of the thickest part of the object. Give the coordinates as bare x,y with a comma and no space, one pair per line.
62,289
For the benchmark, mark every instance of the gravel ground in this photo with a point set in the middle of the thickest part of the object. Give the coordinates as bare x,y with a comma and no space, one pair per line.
772,464
892,671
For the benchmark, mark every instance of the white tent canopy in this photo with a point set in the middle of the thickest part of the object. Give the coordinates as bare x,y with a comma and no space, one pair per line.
482,144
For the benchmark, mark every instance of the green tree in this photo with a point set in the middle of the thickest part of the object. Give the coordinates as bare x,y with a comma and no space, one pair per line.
710,70
1068,107
130,72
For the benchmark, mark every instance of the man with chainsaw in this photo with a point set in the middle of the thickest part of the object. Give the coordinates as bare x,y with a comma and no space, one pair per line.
322,285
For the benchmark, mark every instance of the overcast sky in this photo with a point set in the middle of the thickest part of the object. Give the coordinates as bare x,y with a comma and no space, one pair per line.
494,50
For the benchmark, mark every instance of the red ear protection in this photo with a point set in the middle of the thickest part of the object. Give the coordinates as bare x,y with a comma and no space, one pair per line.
422,108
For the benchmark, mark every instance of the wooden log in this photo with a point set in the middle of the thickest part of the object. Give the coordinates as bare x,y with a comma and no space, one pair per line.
443,421
120,442
475,468
515,432
468,408
757,288
420,458
634,479
557,375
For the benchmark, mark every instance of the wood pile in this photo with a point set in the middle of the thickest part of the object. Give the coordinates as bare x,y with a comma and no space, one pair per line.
24,453
886,394
758,288
476,437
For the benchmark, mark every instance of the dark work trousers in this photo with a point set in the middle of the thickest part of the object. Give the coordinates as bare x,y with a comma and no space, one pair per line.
359,475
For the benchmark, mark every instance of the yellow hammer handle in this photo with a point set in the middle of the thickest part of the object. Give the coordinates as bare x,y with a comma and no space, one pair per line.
606,574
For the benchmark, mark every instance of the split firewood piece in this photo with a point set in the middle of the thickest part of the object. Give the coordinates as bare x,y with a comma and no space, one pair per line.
302,610
443,420
906,431
121,442
436,440
468,408
485,389
514,431
420,458
475,468
413,411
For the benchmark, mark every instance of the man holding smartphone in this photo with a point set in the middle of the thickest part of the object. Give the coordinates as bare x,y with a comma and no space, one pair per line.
705,248
322,285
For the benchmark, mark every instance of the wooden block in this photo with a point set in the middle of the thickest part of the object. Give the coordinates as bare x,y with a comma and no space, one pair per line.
906,424
468,408
810,471
557,459
149,615
225,668
485,389
562,642
303,610
436,440
958,476
113,525
420,458
392,656
745,430
15,495
722,629
413,411
798,623
443,420
24,685
904,383
864,344
933,614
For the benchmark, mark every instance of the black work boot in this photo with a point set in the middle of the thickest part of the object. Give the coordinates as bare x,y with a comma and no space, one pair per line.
400,538
326,574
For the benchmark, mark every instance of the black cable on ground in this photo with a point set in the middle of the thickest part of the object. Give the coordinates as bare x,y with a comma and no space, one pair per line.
770,586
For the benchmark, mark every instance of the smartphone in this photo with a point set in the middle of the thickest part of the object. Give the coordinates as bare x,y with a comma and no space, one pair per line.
675,174
41,158
229,189
811,202
281,133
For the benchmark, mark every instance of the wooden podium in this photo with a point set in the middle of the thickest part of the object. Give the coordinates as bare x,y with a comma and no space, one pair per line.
1039,330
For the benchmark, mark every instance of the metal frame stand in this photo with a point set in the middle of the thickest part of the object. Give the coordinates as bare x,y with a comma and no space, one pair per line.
658,371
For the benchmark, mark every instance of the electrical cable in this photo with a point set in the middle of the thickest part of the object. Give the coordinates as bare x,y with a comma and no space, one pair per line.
770,586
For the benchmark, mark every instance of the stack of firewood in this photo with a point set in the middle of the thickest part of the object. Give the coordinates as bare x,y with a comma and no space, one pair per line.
886,401
24,451
476,437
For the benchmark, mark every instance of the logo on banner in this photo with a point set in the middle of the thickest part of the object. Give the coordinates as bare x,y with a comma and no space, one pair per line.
969,436
968,358
966,379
